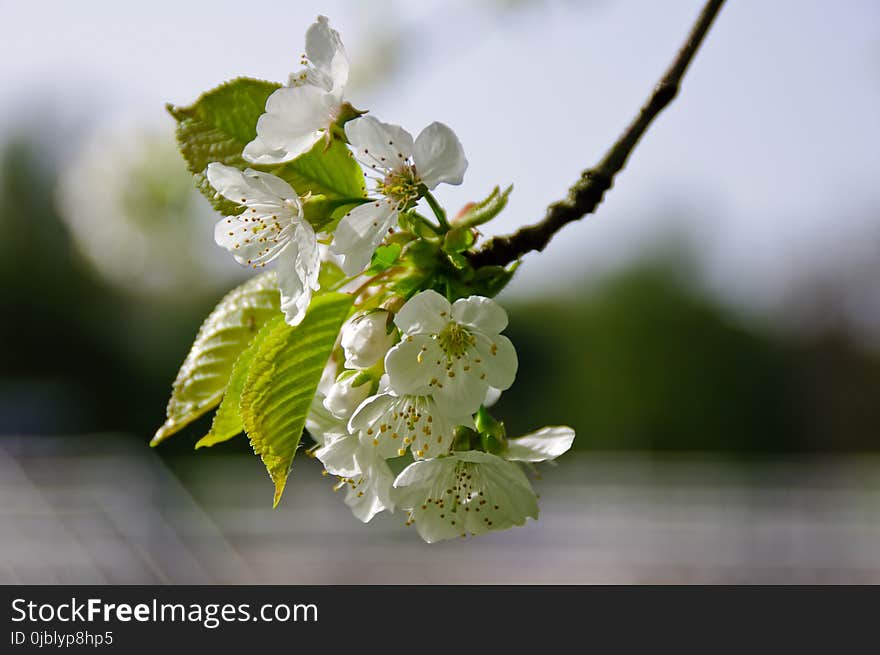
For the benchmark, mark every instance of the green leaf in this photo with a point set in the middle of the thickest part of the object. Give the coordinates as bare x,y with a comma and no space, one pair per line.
321,211
330,275
331,172
384,258
480,212
282,382
218,126
227,421
226,332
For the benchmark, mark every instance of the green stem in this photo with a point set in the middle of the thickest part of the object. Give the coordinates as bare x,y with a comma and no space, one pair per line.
439,212
436,229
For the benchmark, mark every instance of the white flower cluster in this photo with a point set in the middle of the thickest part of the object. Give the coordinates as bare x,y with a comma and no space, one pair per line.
413,379
272,226
410,385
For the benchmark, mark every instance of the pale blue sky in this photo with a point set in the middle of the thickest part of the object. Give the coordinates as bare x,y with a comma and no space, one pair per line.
768,159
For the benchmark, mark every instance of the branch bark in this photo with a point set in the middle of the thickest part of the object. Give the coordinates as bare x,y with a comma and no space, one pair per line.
586,194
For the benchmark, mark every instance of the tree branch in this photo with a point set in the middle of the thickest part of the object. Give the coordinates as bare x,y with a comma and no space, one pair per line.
586,194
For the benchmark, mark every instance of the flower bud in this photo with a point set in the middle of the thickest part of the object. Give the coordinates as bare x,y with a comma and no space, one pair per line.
346,394
365,339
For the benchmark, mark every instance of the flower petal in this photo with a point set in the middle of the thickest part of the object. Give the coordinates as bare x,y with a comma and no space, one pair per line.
370,492
295,120
308,260
253,239
467,492
273,187
371,411
481,313
438,156
379,145
251,188
337,456
426,312
325,50
323,427
279,135
424,481
365,339
507,492
434,431
499,360
258,152
461,387
546,443
492,397
298,267
412,364
360,232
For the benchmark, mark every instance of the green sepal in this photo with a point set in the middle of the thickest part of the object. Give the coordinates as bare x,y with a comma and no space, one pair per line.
490,426
459,239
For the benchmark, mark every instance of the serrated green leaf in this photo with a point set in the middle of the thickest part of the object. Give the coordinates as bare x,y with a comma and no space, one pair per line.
218,126
226,332
480,212
227,421
282,382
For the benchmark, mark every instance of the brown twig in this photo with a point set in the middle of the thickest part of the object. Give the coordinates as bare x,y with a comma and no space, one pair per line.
586,194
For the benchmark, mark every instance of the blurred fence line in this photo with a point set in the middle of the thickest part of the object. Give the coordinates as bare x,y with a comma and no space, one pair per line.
107,509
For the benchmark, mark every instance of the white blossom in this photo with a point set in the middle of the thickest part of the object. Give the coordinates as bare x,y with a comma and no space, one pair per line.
364,475
323,427
299,115
271,228
403,169
493,395
545,444
366,339
390,424
468,492
344,396
451,352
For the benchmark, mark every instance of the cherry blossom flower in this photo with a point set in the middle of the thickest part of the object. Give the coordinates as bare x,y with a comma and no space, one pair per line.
391,424
366,338
364,475
344,395
404,170
299,115
472,492
362,472
453,352
271,228
469,492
